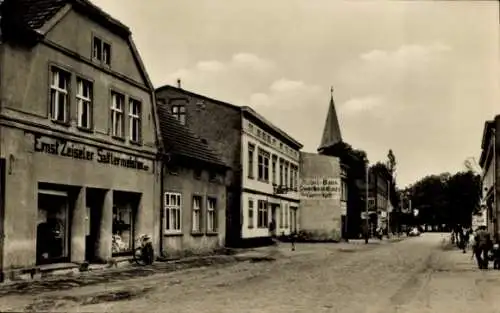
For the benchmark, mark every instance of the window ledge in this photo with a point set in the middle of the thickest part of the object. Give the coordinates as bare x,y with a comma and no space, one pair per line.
86,130
212,233
176,234
118,138
65,124
135,143
196,233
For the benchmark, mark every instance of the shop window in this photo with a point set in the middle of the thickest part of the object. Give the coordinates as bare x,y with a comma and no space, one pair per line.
282,218
52,242
211,215
123,232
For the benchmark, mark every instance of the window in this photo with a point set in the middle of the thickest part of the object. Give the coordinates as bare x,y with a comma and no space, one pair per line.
296,178
274,160
286,174
251,149
282,217
101,51
281,172
262,215
250,127
263,165
250,214
59,95
343,191
287,210
117,121
211,215
197,173
292,173
196,211
179,113
172,212
293,218
212,176
134,118
106,53
84,103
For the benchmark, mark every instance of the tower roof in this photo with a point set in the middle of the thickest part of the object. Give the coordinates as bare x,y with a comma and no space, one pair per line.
331,131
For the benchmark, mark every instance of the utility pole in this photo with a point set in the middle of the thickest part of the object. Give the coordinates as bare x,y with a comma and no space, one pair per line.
366,206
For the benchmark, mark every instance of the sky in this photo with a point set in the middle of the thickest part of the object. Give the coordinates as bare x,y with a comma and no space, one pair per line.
417,77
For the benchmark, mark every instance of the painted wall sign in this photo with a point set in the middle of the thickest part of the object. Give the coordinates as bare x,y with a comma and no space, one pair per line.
66,148
325,188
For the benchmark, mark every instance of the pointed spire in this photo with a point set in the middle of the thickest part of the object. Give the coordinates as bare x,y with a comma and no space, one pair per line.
331,132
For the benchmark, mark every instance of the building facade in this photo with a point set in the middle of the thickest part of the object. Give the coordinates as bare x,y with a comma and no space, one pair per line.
488,161
270,178
77,137
378,204
193,215
323,197
230,130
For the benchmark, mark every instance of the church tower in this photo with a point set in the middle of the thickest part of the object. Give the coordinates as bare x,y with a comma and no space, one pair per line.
331,131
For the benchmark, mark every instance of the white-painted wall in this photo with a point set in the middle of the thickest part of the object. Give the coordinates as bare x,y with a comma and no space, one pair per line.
264,190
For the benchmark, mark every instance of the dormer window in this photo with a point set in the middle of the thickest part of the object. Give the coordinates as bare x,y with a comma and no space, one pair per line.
101,51
179,113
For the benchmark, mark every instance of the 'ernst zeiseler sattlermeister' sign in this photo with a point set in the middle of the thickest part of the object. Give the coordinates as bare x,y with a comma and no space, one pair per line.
66,148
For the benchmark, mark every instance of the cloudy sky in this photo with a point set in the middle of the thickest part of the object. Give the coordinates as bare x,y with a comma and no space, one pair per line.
417,77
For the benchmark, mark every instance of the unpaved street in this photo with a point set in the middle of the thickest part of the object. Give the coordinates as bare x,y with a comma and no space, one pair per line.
414,275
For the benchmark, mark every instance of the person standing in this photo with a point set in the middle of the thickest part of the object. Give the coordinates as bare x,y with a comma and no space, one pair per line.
483,242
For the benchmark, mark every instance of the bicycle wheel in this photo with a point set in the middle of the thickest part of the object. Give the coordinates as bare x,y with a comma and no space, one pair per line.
138,257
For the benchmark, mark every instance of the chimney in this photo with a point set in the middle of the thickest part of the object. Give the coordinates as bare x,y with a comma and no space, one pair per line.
179,83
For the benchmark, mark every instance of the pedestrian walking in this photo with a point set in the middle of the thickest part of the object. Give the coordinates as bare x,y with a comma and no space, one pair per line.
465,238
293,238
483,243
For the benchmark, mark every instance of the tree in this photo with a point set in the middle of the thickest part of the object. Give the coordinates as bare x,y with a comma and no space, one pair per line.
446,199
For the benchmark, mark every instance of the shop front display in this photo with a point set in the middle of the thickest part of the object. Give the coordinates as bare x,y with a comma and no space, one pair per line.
123,229
52,228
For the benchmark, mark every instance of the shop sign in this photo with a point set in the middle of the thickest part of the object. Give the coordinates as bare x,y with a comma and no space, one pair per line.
66,148
324,188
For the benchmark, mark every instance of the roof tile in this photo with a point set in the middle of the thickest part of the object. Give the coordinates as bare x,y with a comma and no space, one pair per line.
180,140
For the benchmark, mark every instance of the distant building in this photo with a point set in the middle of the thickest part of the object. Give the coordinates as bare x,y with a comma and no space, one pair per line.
324,191
378,194
488,162
263,161
78,138
194,191
323,203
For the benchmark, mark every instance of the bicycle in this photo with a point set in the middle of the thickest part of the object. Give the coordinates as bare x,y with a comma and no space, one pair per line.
144,253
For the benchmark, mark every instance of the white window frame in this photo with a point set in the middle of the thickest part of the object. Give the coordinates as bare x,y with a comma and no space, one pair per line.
174,213
262,214
251,160
84,102
263,165
196,214
56,92
211,215
134,118
179,113
251,217
117,112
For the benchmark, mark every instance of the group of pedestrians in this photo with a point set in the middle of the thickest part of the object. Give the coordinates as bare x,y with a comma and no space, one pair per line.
484,249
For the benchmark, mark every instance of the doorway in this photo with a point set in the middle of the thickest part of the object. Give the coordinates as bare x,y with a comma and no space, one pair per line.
94,199
52,241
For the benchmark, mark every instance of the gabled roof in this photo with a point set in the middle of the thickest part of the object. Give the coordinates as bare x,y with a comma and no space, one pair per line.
331,131
35,14
243,109
179,140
